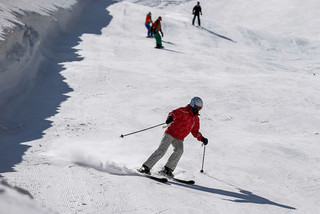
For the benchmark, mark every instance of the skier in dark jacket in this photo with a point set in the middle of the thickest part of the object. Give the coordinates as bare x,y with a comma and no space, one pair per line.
196,12
182,121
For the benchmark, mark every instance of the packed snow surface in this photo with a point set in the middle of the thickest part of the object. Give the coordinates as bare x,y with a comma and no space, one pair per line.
255,64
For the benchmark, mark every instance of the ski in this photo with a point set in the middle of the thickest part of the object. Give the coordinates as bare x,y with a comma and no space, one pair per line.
159,179
162,180
190,182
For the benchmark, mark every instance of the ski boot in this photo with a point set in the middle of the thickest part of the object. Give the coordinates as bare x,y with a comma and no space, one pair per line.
145,170
166,171
159,47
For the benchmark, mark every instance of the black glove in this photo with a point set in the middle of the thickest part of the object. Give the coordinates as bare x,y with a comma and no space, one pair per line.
204,140
161,33
169,119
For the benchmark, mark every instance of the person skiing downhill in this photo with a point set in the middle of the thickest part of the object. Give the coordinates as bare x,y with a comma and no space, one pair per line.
149,24
196,12
181,122
156,28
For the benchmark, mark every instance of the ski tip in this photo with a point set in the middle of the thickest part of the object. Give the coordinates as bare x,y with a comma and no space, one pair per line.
162,180
191,182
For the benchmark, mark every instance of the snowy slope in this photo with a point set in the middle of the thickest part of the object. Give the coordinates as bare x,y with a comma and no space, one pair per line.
253,63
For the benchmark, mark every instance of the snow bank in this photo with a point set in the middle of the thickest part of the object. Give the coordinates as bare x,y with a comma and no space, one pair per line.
31,33
13,11
26,28
14,199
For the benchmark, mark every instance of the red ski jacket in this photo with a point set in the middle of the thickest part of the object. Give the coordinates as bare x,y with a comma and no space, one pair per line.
183,123
148,19
156,27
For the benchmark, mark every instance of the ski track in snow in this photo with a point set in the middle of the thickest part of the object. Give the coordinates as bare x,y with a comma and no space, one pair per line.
99,77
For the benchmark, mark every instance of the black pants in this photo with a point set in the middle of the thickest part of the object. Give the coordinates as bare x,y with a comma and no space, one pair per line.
194,18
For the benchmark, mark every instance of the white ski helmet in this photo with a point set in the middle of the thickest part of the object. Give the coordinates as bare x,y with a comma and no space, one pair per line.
196,102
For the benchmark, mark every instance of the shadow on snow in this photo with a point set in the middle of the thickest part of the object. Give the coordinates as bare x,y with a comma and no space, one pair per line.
218,35
243,196
29,120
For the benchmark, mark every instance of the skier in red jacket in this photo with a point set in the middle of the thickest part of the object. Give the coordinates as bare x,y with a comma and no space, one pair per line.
182,121
148,23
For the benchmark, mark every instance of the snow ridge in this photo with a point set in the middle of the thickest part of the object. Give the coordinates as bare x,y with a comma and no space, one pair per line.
14,199
26,36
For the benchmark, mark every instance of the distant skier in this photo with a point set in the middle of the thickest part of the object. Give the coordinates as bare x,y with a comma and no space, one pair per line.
181,122
156,28
196,12
149,24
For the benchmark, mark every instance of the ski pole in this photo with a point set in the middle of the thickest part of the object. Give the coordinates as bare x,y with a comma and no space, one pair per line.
123,135
204,152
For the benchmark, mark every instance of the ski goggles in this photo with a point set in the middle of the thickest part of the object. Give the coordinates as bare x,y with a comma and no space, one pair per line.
197,107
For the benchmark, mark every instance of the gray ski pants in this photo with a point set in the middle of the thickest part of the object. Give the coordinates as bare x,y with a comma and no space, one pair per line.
173,160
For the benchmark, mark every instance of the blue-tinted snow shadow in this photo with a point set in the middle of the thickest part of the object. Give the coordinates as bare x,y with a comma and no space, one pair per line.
28,121
243,196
